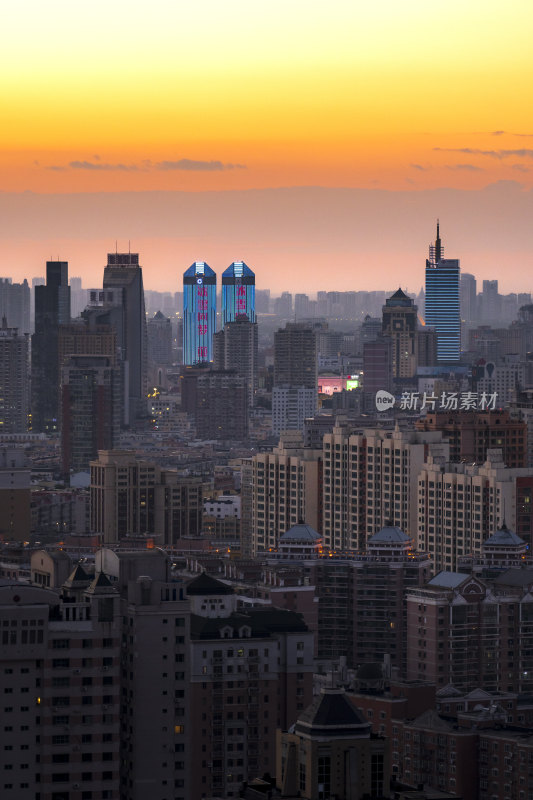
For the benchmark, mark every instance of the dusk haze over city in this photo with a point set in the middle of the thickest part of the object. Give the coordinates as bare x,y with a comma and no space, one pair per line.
295,135
266,400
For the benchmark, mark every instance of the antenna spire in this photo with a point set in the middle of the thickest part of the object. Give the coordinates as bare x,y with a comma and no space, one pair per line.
438,244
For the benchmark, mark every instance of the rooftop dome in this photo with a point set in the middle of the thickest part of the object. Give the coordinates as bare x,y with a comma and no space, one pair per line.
504,536
300,533
389,534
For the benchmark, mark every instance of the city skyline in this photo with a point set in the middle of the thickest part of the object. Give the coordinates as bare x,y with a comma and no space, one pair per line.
266,530
365,239
304,138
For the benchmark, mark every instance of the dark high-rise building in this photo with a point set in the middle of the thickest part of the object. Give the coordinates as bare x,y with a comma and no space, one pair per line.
262,301
302,306
199,313
400,324
78,297
238,292
377,369
442,302
14,380
295,393
124,276
52,309
491,302
15,304
468,288
91,410
283,305
222,406
159,340
235,348
295,356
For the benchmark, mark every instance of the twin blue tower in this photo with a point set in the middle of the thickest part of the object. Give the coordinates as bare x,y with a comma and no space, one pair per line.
200,305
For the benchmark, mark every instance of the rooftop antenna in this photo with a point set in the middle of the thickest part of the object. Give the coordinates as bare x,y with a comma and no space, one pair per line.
438,243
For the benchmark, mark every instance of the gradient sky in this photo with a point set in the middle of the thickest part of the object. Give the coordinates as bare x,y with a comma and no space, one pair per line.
390,98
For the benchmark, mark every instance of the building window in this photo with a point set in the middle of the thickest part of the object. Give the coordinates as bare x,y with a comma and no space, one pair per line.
324,777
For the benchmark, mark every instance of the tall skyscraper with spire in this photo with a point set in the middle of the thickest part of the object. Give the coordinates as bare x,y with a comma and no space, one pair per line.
238,292
199,313
442,308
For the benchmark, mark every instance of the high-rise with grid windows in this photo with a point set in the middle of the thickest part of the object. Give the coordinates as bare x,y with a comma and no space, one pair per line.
442,310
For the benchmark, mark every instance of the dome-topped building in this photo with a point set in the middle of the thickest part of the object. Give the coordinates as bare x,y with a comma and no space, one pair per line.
298,543
331,752
391,543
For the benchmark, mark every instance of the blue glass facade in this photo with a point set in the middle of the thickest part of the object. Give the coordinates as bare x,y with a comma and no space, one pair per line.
238,292
199,313
442,310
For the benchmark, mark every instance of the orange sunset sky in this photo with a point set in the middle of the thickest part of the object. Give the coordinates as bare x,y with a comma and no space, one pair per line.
316,141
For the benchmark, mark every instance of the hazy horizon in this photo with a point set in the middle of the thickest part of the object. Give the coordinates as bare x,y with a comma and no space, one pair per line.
302,239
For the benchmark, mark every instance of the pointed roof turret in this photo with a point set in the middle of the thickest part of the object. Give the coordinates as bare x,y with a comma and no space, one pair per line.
101,585
78,578
389,534
332,715
504,536
399,298
302,532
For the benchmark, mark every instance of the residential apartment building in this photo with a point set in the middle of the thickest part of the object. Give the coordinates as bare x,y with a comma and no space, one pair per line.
505,378
132,496
285,489
370,480
295,376
472,433
468,631
291,405
155,721
362,614
460,505
59,673
251,673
